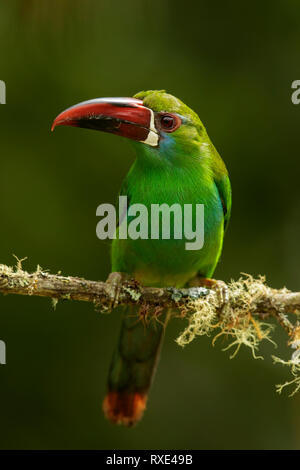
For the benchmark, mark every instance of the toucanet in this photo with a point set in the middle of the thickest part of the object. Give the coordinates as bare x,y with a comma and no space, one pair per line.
176,163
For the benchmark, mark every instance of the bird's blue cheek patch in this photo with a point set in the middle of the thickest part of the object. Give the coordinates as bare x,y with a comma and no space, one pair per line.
166,142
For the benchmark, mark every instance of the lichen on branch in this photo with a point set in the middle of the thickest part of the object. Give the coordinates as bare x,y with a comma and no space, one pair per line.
244,318
235,318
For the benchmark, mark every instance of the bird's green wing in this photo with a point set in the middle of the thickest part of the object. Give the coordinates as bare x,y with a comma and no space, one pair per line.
223,185
224,188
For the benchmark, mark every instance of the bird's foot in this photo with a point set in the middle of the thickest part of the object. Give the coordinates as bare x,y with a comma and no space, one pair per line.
219,286
117,281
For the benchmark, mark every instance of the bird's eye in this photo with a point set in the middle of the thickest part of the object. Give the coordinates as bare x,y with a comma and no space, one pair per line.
169,122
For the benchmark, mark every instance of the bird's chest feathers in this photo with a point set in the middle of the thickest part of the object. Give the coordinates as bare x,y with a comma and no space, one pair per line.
148,258
169,186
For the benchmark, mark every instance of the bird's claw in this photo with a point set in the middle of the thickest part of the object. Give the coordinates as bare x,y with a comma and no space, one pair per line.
114,282
223,292
220,287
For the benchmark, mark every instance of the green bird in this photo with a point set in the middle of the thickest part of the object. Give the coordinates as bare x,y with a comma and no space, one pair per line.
176,164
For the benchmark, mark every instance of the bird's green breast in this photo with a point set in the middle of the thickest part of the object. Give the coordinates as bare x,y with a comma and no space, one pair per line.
167,261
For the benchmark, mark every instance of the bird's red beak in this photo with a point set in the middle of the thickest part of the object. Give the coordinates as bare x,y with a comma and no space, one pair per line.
127,117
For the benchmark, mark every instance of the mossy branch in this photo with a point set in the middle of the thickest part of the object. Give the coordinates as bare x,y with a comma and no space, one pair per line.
244,316
263,300
42,284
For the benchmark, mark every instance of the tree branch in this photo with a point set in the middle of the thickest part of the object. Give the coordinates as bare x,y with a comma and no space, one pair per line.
265,301
43,284
241,317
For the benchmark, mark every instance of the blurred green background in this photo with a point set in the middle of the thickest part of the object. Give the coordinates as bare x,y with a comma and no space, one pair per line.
234,64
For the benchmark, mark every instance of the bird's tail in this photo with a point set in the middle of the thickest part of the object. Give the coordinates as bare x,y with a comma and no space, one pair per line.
132,368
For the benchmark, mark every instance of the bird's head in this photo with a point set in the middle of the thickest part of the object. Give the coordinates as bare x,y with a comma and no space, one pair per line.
162,123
